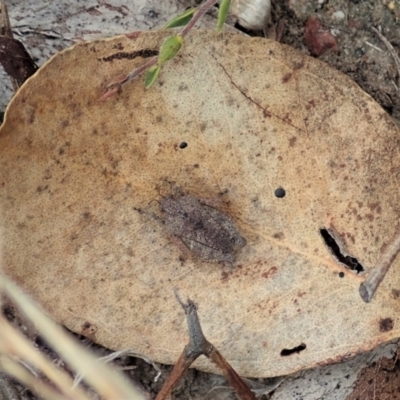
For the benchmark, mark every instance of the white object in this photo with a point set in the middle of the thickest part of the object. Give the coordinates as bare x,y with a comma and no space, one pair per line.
251,14
339,14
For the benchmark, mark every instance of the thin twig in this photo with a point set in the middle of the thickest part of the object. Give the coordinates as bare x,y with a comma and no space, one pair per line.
198,345
391,51
373,46
240,386
117,84
199,13
378,272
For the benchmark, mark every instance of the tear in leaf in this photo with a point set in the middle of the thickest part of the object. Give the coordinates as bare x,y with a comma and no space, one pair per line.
351,262
170,48
181,20
223,13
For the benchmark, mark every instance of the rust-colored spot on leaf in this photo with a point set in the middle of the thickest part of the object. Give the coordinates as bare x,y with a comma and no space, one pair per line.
396,293
286,78
270,272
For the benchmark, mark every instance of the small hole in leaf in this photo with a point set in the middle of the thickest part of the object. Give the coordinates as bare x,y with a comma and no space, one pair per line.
341,274
297,349
386,325
183,145
280,192
351,262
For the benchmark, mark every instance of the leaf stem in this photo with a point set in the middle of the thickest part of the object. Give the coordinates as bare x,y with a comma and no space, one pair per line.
199,13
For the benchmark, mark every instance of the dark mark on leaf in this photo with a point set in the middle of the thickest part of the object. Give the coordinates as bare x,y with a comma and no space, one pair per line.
146,53
395,293
200,229
386,325
297,349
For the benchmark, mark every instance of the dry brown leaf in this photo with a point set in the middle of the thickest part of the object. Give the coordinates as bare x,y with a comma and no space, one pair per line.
256,116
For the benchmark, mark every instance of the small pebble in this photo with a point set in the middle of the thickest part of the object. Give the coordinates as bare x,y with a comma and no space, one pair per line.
338,14
359,52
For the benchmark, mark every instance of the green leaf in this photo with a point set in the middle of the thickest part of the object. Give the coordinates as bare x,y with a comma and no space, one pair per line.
181,20
223,13
170,48
151,75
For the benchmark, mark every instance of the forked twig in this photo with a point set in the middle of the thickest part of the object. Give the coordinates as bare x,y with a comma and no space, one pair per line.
378,272
198,345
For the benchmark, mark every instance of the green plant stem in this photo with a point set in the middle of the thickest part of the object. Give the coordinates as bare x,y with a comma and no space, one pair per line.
134,74
115,86
199,13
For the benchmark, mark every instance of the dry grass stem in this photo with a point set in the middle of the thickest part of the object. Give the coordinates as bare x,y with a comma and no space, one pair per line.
44,389
119,354
15,345
392,52
107,382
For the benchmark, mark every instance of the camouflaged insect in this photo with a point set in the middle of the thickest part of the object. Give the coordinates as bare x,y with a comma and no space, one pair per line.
198,228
